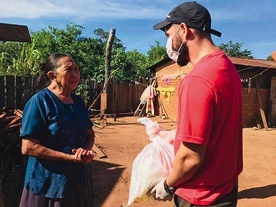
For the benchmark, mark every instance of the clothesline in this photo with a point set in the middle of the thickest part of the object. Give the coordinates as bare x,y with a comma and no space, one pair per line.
137,82
244,69
247,68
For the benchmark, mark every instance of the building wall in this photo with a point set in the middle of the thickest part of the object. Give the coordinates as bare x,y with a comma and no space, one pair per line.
169,76
251,108
170,103
168,79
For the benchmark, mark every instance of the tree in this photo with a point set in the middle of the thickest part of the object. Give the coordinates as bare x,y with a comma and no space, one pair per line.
139,62
269,58
235,50
89,52
131,65
156,53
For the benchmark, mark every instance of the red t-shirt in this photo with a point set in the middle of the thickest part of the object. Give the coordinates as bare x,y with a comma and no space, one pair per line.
210,114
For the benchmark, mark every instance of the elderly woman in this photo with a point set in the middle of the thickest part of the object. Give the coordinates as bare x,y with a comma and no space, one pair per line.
57,136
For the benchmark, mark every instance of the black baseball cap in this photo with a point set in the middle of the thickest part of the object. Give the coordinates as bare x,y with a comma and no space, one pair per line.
192,14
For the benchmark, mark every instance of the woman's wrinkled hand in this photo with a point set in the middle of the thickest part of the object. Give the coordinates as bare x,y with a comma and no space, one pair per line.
83,156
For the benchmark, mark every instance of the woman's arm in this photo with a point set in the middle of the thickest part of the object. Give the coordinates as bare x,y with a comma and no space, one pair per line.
90,139
32,147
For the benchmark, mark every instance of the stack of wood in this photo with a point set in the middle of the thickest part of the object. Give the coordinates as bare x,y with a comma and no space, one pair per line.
12,163
10,123
10,120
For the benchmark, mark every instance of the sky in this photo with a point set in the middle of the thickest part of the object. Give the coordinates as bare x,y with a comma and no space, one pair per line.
250,22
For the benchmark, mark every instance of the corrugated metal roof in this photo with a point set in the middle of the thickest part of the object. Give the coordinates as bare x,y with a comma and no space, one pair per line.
263,64
253,62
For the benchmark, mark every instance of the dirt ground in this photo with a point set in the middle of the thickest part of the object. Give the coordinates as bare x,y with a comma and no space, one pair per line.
123,139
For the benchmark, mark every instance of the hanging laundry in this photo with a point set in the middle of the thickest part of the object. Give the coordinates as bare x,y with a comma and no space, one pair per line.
148,95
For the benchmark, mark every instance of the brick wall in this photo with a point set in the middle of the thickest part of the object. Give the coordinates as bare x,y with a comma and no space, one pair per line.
170,103
168,77
251,110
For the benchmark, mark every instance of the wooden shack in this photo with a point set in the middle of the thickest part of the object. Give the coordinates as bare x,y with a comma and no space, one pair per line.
258,79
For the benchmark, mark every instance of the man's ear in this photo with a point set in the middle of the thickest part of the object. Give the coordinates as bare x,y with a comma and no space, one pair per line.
51,75
184,29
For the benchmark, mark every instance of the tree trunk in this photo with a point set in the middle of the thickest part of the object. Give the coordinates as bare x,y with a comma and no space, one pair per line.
108,56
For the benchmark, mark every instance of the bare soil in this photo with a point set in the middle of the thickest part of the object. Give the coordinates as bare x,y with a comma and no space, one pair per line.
123,139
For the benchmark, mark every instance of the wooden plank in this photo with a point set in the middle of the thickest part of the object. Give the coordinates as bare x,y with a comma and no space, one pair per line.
2,92
261,106
273,100
12,32
10,91
18,112
99,152
18,92
115,97
130,95
103,101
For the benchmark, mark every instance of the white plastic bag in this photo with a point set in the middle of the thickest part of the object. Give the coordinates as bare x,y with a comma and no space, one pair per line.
151,165
169,136
152,127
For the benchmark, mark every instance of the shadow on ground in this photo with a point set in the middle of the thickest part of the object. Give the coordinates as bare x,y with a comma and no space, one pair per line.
258,192
105,176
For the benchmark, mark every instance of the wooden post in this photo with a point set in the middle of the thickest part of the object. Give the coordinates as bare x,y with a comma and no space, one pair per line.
107,72
108,56
261,106
115,92
272,114
103,108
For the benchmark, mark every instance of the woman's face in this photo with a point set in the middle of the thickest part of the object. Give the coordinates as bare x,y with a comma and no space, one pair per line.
67,75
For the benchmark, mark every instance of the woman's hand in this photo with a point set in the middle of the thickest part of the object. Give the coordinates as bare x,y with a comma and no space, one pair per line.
83,156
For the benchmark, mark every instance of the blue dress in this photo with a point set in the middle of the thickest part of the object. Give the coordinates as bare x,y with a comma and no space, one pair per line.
61,127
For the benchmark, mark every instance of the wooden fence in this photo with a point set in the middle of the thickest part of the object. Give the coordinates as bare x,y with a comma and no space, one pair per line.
122,97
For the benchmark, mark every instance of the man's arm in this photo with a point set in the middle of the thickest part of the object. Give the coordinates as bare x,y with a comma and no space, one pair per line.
187,161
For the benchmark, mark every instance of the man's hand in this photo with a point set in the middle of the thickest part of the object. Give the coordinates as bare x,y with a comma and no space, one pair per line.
159,192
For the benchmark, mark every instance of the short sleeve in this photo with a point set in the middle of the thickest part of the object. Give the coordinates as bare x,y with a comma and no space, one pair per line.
196,107
33,119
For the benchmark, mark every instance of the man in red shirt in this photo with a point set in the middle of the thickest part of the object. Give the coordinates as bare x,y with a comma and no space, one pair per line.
208,144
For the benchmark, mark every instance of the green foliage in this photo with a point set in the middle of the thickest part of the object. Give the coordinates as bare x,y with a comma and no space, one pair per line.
19,59
269,58
235,50
89,52
130,65
83,92
156,53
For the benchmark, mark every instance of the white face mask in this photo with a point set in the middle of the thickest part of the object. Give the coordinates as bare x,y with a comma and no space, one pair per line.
174,55
171,53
